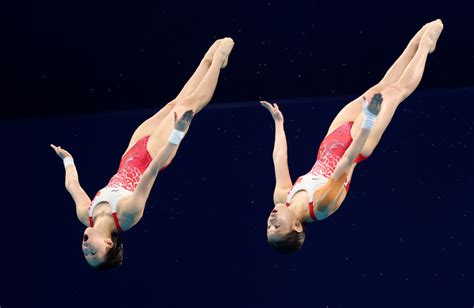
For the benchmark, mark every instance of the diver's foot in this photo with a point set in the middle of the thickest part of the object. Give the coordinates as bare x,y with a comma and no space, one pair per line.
224,50
431,35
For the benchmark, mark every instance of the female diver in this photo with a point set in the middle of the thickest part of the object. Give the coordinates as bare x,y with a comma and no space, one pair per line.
351,138
120,205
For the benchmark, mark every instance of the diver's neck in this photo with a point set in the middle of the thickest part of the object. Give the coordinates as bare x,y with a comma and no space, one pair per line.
105,223
300,209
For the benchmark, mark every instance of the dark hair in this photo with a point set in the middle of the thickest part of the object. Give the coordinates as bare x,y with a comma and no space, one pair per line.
114,257
289,243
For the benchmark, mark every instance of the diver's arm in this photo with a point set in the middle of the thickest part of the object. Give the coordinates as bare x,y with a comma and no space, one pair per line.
136,204
80,197
280,162
146,182
280,155
328,195
371,110
345,163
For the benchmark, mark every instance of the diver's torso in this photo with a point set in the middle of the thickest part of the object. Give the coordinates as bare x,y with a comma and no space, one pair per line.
302,197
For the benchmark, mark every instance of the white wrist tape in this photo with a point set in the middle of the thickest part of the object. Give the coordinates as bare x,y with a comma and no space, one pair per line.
369,117
68,161
176,136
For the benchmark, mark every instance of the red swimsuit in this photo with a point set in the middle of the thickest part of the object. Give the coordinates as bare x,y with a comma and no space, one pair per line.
330,152
332,149
132,166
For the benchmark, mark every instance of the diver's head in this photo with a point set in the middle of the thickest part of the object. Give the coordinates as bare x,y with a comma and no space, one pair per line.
102,251
285,233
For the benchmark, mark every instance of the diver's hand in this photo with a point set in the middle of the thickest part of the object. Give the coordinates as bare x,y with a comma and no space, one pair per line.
274,110
374,105
182,124
62,153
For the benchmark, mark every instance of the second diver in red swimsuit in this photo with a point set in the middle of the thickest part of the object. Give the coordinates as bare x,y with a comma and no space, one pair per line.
351,138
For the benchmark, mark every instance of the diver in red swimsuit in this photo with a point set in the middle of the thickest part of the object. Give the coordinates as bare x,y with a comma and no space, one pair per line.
120,204
351,138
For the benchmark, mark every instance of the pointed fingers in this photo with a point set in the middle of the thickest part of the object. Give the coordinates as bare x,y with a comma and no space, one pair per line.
266,105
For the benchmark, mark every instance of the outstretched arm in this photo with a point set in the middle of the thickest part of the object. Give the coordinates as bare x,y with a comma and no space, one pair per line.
334,186
371,110
280,155
136,204
81,199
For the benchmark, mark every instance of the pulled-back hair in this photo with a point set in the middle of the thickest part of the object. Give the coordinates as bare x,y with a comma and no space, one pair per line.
289,243
114,256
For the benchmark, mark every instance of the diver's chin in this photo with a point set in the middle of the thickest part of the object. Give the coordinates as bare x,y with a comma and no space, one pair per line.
279,206
88,230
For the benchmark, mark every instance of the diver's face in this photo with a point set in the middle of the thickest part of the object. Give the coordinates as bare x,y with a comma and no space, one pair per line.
95,246
280,221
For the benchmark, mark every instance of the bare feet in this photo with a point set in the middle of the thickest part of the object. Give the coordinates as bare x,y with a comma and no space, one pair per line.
431,35
223,51
212,50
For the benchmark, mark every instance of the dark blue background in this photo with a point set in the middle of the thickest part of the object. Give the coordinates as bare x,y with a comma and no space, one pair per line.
65,58
403,237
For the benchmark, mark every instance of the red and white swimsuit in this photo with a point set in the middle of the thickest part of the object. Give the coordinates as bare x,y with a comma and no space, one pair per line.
123,183
330,152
